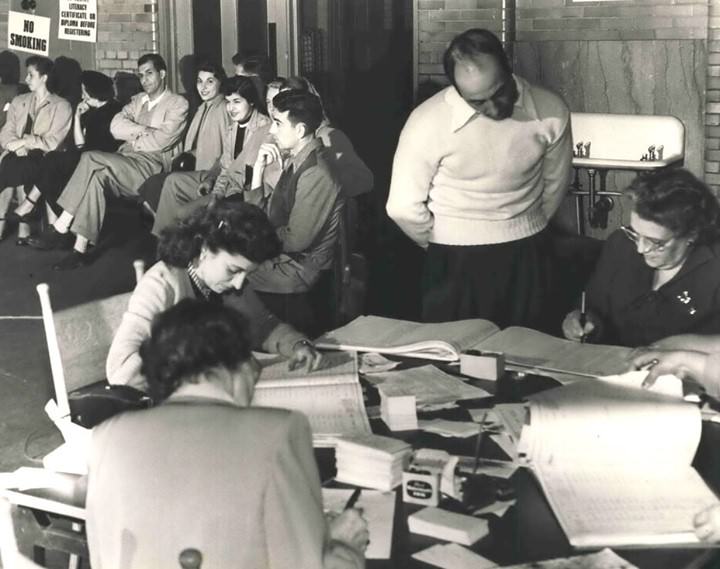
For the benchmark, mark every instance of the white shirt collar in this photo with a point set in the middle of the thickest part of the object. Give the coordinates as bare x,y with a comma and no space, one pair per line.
151,104
462,112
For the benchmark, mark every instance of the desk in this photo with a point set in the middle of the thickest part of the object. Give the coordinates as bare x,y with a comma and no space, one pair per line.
527,532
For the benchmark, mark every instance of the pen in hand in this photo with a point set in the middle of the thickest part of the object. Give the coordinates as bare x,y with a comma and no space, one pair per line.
583,317
353,499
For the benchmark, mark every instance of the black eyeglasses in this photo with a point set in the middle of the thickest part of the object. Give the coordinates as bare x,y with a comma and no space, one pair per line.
651,244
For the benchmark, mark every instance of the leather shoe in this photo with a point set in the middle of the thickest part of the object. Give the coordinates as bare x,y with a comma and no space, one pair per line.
50,239
22,241
73,260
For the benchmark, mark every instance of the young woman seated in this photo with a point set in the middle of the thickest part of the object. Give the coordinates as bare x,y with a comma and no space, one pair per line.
207,256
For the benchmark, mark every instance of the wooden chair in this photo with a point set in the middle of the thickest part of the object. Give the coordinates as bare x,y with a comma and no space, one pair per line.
78,340
349,272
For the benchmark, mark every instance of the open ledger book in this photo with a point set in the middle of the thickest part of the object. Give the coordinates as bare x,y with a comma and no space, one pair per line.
615,464
330,397
524,348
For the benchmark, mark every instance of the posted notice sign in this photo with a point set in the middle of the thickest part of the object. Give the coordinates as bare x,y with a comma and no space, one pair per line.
78,20
30,33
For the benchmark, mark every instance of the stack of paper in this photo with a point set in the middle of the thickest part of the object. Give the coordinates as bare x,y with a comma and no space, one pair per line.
449,526
371,461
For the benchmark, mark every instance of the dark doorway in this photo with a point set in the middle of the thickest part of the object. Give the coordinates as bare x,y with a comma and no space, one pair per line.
206,26
252,27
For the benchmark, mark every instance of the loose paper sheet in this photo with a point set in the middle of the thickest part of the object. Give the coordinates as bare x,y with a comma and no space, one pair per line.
379,511
453,556
605,559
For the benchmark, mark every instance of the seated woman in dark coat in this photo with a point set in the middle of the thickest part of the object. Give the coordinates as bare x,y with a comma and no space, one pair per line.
659,276
91,131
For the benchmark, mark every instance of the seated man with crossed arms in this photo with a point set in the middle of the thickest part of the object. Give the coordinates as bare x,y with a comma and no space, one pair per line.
151,125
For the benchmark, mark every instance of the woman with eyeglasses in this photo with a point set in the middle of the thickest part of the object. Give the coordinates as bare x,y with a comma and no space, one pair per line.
660,275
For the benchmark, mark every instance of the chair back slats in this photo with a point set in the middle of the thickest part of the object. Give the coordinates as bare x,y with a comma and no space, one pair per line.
84,334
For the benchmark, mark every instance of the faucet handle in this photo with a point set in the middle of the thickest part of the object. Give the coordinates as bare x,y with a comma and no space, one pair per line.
660,150
651,152
587,150
578,152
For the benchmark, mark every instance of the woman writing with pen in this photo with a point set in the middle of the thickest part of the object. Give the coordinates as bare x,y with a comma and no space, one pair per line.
660,275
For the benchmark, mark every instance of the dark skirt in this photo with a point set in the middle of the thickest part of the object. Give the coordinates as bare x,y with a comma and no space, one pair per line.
20,170
507,283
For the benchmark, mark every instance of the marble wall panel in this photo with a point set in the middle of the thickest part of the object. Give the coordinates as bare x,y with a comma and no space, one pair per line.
662,77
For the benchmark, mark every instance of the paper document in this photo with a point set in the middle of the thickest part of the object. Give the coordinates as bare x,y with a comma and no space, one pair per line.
536,350
379,511
441,341
453,556
615,464
445,428
428,384
605,559
330,397
665,384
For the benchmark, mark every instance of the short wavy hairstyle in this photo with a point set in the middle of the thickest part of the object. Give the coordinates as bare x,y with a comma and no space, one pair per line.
243,86
43,65
227,225
157,61
188,339
677,200
211,67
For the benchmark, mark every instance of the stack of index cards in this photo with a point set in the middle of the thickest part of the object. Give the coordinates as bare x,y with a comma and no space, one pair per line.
371,461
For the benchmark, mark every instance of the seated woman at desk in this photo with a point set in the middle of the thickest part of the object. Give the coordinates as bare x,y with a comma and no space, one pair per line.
658,276
207,256
193,472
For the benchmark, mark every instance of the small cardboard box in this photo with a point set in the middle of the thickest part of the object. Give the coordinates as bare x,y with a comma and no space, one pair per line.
482,365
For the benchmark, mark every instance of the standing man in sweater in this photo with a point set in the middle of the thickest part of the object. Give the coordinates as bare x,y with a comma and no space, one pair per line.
480,169
151,126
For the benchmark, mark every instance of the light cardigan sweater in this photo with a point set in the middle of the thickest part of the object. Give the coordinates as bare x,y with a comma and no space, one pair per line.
163,286
460,178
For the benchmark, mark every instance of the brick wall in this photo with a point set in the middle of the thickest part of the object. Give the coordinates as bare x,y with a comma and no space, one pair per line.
126,30
712,99
438,21
541,20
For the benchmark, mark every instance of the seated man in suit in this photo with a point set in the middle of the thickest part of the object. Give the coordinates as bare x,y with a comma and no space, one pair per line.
151,125
305,207
204,471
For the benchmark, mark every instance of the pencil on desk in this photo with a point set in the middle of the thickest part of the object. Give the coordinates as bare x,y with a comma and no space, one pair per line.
479,440
352,499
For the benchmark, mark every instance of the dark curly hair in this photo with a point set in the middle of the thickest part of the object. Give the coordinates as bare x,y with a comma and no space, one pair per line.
228,225
243,86
189,338
677,200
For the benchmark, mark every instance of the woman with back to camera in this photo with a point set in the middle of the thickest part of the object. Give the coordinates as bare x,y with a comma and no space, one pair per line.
207,256
202,470
660,275
91,131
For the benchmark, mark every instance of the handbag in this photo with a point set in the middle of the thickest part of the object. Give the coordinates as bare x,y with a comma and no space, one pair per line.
183,162
95,403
